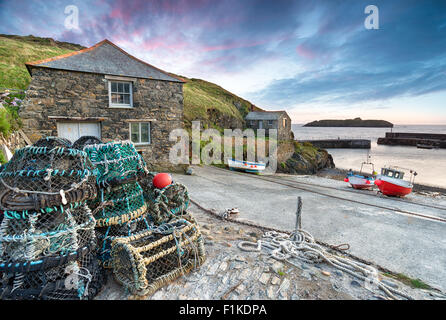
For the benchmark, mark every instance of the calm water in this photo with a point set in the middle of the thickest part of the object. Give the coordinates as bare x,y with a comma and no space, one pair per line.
429,164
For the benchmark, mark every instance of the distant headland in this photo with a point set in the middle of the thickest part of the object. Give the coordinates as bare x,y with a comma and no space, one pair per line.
357,122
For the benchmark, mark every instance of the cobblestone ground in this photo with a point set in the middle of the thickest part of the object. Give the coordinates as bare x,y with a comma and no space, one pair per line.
230,273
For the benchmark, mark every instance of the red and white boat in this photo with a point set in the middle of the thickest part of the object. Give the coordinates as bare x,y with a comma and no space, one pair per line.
362,181
390,182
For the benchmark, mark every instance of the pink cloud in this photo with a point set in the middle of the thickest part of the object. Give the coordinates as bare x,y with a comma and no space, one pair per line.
305,52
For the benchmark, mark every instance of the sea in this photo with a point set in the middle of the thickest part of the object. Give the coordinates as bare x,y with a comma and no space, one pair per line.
430,165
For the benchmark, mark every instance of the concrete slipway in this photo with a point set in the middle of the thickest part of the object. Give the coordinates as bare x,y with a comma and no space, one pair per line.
400,242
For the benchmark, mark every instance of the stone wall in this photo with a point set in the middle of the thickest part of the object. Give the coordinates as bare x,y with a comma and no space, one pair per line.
15,140
85,96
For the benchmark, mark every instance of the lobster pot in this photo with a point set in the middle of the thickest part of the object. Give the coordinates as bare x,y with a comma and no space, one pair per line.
38,253
119,204
149,260
76,276
106,234
46,170
167,203
116,162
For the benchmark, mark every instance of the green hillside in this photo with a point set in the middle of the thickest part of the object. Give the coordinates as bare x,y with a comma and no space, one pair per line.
16,50
203,100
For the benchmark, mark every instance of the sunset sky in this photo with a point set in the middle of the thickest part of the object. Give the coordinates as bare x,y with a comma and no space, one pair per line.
314,59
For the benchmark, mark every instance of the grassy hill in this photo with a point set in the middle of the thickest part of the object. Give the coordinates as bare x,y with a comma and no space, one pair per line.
16,50
203,100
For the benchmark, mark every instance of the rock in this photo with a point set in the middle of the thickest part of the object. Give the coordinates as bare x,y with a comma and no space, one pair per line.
270,293
205,226
277,266
240,258
245,274
304,266
182,297
228,244
212,269
223,266
285,285
228,229
240,289
338,273
355,283
326,273
264,278
190,171
275,280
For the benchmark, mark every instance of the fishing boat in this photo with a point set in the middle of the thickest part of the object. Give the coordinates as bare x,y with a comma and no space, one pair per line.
391,181
361,181
247,166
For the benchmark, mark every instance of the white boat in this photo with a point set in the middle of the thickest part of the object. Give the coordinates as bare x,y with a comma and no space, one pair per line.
246,165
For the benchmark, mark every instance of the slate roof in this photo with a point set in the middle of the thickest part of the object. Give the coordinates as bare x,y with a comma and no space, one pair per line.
104,58
266,115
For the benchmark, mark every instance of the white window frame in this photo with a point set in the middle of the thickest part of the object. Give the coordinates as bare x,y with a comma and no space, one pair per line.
270,122
139,133
118,105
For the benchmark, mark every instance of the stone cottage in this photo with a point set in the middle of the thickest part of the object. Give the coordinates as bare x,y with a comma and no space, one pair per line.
105,92
270,120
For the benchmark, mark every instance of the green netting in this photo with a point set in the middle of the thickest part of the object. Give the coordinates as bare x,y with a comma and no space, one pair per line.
124,200
46,227
167,203
115,161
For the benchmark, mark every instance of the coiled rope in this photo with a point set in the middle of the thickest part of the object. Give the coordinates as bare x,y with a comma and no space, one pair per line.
302,246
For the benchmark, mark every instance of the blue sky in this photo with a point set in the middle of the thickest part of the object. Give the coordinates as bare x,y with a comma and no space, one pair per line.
314,59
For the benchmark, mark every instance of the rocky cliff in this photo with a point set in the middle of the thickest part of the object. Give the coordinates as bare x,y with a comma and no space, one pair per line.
306,159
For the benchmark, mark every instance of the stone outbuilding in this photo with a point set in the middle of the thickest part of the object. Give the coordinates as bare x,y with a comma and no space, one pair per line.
279,120
103,91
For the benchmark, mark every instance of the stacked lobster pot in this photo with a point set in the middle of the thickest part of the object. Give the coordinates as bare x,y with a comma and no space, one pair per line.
173,246
47,238
145,234
120,208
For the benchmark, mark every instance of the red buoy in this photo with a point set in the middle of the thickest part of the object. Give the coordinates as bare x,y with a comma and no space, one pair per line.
346,179
161,180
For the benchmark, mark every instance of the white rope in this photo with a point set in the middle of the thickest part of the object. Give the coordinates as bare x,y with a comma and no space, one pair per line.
302,246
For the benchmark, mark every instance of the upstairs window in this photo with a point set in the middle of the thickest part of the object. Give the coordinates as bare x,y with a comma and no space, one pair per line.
120,94
140,132
270,122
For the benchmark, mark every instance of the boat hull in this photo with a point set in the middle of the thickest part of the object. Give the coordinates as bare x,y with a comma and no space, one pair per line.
360,182
393,187
246,166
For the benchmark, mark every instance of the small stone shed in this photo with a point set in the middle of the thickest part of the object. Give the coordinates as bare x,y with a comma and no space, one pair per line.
103,91
270,120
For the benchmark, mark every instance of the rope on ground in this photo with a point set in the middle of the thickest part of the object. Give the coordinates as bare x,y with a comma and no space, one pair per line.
302,246
300,240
